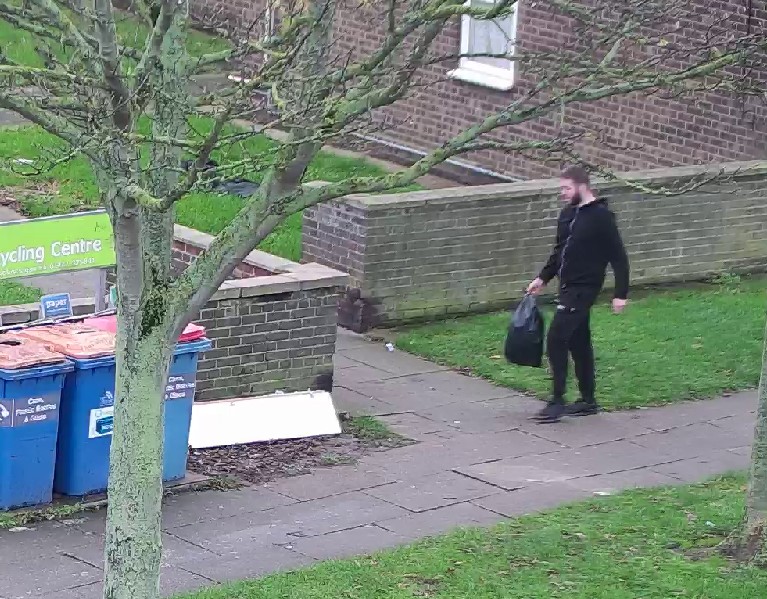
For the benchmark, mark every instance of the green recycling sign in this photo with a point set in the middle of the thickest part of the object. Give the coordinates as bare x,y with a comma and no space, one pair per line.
44,246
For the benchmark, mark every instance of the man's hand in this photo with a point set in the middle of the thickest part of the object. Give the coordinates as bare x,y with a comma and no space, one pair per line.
619,305
536,286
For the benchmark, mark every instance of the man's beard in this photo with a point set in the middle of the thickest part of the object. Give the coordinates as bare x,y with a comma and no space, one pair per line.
576,200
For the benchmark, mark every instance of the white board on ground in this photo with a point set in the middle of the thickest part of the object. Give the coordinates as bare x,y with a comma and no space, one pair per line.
266,418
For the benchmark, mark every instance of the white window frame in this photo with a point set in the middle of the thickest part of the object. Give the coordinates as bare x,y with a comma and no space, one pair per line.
479,73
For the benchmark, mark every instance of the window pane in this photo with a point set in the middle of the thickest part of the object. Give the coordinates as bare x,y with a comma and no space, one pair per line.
490,37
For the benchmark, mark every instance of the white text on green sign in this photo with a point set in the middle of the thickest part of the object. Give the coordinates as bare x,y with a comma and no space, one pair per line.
46,246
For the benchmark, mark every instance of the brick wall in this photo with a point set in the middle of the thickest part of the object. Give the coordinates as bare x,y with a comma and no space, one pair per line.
650,130
431,254
272,325
277,338
184,254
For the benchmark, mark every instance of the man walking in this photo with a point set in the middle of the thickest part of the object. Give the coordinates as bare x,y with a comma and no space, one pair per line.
587,241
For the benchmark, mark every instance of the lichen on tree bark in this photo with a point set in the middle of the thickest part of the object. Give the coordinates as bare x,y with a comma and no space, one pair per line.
748,544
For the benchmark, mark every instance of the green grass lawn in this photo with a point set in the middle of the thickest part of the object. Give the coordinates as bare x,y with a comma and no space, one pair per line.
19,45
628,546
668,346
14,293
70,187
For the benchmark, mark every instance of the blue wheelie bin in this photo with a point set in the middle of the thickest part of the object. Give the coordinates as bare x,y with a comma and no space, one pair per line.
87,409
30,399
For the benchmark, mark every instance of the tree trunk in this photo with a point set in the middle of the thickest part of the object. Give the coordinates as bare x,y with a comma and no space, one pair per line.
144,348
133,539
749,543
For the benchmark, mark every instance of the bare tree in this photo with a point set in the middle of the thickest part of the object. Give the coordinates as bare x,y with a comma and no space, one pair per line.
748,544
94,88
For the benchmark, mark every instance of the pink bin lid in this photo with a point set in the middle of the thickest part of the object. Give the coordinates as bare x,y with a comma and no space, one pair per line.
16,352
75,340
192,332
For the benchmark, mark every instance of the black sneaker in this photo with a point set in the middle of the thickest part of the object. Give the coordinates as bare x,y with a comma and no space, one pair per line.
582,408
553,412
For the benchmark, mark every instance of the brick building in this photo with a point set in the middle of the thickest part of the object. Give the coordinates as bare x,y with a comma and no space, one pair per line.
631,132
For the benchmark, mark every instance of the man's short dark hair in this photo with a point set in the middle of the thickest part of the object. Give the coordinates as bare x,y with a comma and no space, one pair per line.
577,174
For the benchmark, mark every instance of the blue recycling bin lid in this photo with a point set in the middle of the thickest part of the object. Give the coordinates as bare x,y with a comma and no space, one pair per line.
36,371
190,347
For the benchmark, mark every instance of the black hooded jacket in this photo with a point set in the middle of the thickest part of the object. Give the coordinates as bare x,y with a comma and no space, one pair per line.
587,241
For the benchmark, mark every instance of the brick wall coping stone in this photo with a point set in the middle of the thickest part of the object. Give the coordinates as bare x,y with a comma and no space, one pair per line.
289,276
523,189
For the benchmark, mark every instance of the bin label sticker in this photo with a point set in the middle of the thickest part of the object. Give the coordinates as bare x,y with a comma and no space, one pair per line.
106,400
23,411
101,422
6,413
56,305
181,386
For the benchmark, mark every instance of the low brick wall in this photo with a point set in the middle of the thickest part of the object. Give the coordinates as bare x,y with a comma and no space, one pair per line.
427,255
272,325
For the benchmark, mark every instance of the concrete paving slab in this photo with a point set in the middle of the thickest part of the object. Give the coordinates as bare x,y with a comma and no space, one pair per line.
689,441
346,340
400,396
45,575
741,426
330,482
430,391
458,386
698,469
532,499
190,508
340,361
173,549
88,591
229,535
353,376
252,561
281,525
582,432
397,363
357,404
413,426
623,481
745,451
430,492
173,581
431,457
37,542
440,521
480,417
691,412
509,476
561,466
8,118
362,540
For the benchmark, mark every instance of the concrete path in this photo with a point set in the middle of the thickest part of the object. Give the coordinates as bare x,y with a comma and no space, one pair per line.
478,460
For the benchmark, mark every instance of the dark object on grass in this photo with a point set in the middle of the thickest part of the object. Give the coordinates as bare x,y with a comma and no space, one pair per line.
524,341
235,187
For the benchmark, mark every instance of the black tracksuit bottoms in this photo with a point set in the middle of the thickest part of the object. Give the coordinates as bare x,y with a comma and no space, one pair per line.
570,333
